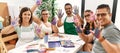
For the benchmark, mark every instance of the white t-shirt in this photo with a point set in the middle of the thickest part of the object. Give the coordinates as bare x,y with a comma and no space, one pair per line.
46,29
70,19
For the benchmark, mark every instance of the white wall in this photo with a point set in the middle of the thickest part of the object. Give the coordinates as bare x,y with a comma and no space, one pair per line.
14,6
89,5
92,5
117,20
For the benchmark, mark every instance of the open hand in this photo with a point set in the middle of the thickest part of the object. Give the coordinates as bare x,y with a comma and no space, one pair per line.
79,29
76,10
53,21
60,13
37,29
98,29
14,21
39,2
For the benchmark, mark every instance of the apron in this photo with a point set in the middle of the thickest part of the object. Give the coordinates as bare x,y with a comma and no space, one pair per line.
25,37
69,28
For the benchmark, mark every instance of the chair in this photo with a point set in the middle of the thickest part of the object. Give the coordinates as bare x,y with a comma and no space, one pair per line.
4,46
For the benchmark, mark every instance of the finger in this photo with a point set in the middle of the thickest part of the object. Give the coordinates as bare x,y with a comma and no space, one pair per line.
83,28
92,32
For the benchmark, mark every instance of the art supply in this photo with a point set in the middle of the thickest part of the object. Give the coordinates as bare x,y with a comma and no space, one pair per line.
46,38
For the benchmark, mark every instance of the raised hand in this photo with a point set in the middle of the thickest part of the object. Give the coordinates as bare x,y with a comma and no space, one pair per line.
98,29
76,10
14,21
37,29
39,2
60,13
53,21
97,33
78,29
76,21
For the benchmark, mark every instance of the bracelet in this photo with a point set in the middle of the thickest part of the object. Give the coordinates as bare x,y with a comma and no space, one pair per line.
103,37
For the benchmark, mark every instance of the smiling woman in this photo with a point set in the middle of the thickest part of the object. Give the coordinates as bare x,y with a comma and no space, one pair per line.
25,28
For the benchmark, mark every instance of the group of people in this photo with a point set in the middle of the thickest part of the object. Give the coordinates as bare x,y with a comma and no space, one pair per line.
99,33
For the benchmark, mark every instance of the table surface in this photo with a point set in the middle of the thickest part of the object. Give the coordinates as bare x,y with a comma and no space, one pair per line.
78,43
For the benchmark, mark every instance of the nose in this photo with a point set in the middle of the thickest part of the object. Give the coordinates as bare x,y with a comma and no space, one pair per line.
99,17
27,15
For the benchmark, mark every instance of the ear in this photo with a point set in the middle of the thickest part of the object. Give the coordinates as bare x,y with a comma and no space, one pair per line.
110,15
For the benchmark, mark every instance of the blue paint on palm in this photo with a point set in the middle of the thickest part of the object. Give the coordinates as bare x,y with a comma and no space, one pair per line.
97,32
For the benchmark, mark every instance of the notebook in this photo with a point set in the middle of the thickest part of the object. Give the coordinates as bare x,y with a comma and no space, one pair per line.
67,43
53,44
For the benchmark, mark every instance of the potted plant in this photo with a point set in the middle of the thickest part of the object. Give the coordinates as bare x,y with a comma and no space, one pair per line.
49,5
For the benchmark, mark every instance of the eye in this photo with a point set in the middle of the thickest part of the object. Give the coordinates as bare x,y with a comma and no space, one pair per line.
103,14
87,15
29,14
98,15
25,14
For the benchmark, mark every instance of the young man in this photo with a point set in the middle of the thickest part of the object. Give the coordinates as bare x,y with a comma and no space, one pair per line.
108,38
69,27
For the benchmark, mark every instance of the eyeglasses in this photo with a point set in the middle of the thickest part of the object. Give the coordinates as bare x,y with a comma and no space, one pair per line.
45,14
87,15
101,14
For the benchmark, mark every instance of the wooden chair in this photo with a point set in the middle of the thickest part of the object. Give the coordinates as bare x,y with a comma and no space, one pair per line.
6,46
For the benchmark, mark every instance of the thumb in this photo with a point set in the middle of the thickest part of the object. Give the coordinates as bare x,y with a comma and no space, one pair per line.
91,31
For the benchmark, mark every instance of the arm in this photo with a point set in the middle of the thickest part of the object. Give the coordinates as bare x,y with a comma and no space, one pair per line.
109,47
59,23
86,38
80,19
53,25
60,15
41,35
7,30
34,7
38,2
36,20
38,31
54,28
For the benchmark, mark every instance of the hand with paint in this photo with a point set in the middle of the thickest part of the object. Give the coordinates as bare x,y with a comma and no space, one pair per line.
37,29
53,21
78,29
39,2
76,10
60,13
14,22
97,33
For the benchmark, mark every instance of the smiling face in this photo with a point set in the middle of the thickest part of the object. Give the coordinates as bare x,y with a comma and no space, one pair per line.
103,16
26,16
87,16
45,15
68,9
